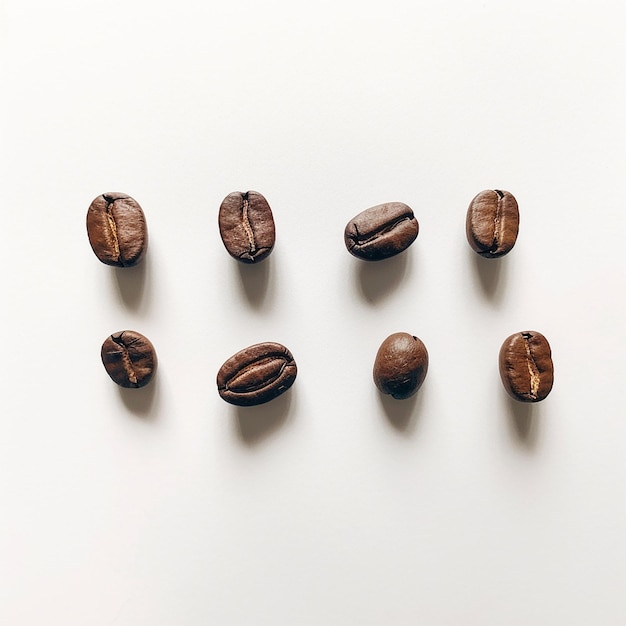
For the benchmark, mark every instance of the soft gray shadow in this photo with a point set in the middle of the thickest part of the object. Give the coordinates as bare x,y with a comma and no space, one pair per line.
256,423
131,282
254,279
491,274
524,423
141,402
403,415
376,279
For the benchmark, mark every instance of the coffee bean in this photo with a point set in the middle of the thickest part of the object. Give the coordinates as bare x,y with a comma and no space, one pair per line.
401,365
117,231
129,358
526,366
381,231
256,374
492,223
247,226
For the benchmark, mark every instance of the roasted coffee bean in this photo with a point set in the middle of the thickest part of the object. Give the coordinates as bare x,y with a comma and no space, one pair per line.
247,226
401,365
256,374
492,223
129,358
117,231
381,231
526,366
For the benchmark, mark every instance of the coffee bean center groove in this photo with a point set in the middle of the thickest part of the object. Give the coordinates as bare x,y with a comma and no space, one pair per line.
533,370
389,227
246,224
128,365
264,383
112,226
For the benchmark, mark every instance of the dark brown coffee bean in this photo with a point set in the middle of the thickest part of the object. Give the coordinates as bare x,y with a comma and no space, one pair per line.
247,226
117,231
492,223
381,231
256,374
129,358
526,366
401,365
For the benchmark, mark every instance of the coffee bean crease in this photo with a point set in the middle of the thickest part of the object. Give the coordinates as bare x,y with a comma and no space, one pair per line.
126,362
247,226
361,240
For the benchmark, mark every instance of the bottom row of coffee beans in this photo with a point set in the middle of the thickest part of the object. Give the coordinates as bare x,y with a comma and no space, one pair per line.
264,371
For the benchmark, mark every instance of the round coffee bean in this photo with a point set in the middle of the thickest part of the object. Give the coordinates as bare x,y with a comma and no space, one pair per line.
526,366
256,374
381,231
117,231
129,358
492,223
247,226
401,365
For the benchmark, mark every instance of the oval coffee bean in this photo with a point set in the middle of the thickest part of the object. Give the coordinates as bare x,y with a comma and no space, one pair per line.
117,231
247,226
401,365
256,374
381,231
526,366
129,358
492,223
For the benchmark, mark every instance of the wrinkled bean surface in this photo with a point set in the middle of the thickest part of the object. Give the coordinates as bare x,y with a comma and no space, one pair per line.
256,374
492,223
117,231
381,231
247,226
129,358
526,366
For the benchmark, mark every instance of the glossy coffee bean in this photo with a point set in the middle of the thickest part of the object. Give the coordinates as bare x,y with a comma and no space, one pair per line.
247,226
381,231
526,366
117,231
129,358
256,374
401,365
492,223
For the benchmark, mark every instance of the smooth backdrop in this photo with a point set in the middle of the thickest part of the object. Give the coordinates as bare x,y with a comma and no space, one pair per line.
331,505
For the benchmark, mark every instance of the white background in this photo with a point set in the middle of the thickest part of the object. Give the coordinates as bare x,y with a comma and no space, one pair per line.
331,505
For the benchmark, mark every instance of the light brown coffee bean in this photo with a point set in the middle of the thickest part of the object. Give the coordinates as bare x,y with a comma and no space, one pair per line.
129,358
256,374
401,365
492,223
526,366
381,231
247,226
117,231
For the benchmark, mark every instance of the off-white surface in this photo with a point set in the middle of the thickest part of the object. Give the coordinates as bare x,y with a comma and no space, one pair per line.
331,505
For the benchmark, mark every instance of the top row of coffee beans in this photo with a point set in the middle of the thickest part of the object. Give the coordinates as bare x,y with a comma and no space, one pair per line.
116,226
